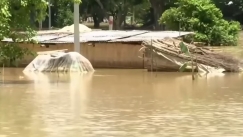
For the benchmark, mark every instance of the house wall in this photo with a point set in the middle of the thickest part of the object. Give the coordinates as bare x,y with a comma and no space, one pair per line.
101,55
113,55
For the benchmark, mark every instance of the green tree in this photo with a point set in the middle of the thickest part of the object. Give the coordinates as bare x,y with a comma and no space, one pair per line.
20,15
140,12
119,9
204,18
62,13
157,8
96,9
17,21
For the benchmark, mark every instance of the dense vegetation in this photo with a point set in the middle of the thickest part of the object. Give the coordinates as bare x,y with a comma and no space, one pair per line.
204,18
146,12
17,18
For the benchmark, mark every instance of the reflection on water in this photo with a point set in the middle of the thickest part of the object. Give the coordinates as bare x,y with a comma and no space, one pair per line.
120,103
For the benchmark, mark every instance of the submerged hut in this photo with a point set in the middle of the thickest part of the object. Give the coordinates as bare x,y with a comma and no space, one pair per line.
112,49
167,55
104,49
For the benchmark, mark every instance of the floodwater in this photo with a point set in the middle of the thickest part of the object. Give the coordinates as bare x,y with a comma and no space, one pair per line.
120,103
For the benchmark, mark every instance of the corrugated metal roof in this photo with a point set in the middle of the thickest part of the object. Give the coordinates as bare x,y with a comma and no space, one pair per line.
46,32
108,35
42,37
152,35
102,36
95,36
66,39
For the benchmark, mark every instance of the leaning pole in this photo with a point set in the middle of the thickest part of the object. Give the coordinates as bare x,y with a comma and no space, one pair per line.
76,28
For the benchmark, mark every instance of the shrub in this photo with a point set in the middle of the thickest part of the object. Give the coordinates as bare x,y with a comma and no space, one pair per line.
205,19
11,54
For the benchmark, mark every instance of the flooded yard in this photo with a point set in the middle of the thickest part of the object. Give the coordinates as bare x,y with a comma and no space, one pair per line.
236,51
120,103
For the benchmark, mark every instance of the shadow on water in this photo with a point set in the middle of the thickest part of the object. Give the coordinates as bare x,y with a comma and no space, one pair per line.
121,103
15,82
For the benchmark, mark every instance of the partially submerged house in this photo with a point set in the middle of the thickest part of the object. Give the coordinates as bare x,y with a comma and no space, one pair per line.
104,49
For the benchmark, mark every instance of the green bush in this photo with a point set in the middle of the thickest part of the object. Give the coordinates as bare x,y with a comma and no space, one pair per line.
205,19
11,54
65,17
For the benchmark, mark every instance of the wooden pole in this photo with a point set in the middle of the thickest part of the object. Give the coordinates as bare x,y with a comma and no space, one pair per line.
3,73
151,55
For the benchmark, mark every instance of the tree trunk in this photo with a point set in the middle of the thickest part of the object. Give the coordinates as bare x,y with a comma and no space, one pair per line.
102,8
100,4
119,18
96,21
158,8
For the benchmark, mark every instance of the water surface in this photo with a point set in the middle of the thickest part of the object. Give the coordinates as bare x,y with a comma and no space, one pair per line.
120,103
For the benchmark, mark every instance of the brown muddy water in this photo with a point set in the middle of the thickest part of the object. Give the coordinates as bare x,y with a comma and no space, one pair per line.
120,103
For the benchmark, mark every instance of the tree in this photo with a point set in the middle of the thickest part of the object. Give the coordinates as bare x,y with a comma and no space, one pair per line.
61,13
20,15
203,17
119,9
17,21
157,8
96,9
140,12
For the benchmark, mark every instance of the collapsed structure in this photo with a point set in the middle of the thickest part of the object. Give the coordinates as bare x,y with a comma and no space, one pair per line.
60,62
166,55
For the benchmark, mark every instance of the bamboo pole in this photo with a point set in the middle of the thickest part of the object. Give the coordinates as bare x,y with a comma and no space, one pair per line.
3,74
193,77
151,56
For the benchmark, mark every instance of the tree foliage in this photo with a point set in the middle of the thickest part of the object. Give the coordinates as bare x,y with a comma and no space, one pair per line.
119,9
17,21
77,1
11,53
20,15
203,17
146,12
62,12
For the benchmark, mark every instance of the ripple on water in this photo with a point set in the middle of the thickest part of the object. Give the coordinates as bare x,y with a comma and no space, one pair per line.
117,109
